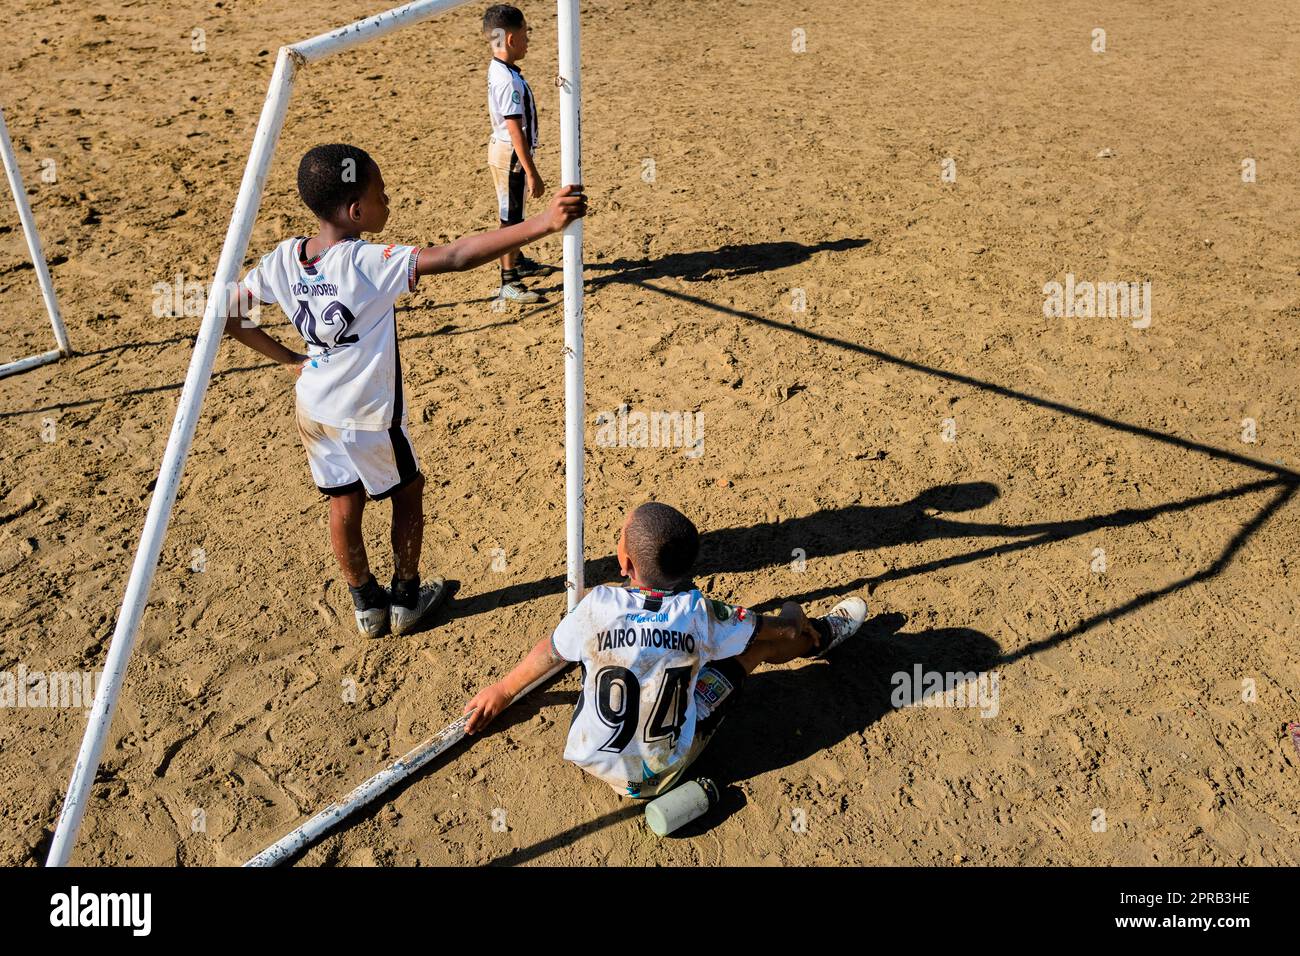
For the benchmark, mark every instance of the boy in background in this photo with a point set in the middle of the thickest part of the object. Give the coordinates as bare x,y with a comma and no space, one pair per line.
514,139
339,292
661,664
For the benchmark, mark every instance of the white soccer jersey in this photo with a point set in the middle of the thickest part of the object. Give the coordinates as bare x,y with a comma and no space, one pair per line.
640,653
510,95
341,303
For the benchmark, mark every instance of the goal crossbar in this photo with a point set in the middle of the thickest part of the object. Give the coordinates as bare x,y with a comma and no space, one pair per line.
33,238
289,61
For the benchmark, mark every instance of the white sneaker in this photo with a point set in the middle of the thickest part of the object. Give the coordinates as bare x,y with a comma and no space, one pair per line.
406,619
844,620
373,621
518,292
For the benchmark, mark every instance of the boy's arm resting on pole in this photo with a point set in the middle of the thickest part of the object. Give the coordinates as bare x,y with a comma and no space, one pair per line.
490,701
469,252
251,335
515,126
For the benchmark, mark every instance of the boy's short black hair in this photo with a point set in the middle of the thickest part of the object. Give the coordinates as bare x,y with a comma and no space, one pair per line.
502,16
663,545
334,176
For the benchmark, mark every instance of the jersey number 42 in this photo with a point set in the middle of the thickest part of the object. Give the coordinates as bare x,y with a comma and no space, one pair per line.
336,318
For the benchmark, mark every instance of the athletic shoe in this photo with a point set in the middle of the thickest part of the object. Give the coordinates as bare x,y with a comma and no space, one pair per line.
372,622
841,624
406,619
527,267
518,292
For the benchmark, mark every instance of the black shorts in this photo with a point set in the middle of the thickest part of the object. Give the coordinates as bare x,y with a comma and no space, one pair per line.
717,687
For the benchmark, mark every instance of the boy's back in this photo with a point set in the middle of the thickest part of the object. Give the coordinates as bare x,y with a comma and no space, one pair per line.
641,652
661,669
341,302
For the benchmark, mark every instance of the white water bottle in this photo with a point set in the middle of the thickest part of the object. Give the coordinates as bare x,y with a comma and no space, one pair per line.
681,805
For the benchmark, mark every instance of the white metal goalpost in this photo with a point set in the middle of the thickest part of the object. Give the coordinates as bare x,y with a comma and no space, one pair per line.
289,61
38,262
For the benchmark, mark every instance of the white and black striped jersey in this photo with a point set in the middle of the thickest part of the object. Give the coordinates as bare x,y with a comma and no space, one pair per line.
509,95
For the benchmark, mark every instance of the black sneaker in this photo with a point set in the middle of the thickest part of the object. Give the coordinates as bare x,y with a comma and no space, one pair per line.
526,267
406,619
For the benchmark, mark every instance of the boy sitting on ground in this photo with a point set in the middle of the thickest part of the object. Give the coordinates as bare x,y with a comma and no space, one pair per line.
661,664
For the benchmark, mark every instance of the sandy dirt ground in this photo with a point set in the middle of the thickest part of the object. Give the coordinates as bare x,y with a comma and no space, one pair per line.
1152,695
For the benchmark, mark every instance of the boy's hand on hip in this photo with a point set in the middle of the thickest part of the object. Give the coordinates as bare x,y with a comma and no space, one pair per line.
486,704
297,364
567,205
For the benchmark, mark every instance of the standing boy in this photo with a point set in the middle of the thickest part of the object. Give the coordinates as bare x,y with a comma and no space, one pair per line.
339,292
514,139
662,665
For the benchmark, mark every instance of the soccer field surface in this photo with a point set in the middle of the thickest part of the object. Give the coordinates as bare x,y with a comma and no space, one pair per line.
938,304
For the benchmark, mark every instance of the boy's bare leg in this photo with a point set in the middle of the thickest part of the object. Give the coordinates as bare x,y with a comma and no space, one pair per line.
791,634
412,599
510,259
368,599
408,530
780,640
346,539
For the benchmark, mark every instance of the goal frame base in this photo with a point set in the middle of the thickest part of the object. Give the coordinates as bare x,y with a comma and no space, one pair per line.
15,176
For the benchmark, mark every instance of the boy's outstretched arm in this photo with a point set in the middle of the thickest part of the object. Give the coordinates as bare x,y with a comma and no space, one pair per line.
470,252
490,701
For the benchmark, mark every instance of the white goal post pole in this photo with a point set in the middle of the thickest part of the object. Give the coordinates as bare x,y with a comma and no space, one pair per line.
389,777
173,462
33,238
32,361
570,84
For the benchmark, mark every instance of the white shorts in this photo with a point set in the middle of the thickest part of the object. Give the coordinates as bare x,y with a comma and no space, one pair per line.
346,460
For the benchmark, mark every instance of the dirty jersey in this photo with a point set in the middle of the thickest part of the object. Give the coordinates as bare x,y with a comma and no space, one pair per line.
341,302
640,652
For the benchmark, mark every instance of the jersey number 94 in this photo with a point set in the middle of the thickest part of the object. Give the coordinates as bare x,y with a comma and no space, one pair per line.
618,704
